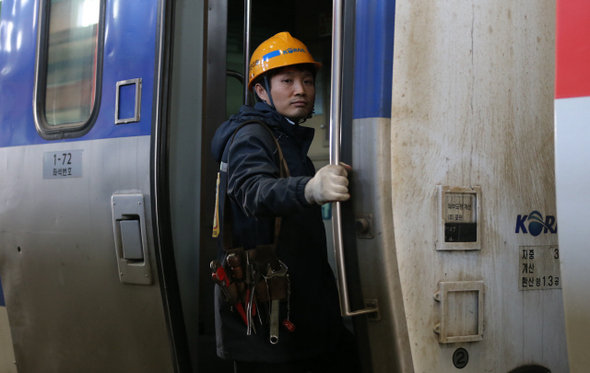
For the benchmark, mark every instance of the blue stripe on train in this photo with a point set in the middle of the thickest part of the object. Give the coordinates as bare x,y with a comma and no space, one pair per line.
128,54
375,21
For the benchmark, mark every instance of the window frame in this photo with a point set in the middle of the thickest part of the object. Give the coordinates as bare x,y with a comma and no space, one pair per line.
66,130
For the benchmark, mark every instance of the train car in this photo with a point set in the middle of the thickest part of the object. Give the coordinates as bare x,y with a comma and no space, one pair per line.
447,256
572,95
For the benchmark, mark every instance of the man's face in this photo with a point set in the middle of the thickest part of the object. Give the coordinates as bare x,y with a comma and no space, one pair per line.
293,93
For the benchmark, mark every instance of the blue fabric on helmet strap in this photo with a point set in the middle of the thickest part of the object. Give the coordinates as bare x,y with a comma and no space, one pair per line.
267,87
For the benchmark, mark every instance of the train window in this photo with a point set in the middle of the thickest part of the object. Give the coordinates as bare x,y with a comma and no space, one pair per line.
69,67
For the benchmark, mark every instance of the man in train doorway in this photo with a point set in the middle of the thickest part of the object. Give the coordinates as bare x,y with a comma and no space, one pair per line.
311,336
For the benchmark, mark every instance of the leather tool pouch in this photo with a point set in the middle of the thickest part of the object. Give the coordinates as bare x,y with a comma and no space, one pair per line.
260,258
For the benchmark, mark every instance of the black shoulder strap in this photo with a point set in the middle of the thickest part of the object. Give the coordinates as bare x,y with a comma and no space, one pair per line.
227,220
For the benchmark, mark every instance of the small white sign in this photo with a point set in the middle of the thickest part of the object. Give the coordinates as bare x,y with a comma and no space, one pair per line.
64,164
458,222
459,208
538,268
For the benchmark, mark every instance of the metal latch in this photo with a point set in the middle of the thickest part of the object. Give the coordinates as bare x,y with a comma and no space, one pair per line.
131,246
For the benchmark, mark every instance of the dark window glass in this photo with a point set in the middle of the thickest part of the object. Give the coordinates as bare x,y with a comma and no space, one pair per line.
72,52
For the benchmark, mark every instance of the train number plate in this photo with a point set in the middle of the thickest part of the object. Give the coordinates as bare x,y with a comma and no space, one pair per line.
62,164
539,268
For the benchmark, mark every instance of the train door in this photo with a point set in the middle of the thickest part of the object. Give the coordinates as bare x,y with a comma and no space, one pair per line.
83,263
572,96
233,26
453,189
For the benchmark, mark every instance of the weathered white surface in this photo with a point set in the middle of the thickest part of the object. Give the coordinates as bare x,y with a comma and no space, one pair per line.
473,105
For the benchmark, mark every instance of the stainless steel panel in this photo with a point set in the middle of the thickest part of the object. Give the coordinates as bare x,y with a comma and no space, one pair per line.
68,310
370,185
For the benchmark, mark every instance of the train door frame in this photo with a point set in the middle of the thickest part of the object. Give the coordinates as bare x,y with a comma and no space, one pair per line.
216,71
173,246
180,176
365,145
350,252
215,44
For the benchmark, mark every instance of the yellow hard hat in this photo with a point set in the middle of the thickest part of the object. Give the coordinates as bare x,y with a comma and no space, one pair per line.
279,51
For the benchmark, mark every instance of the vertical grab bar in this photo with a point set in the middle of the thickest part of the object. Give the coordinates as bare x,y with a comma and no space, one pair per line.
247,27
335,135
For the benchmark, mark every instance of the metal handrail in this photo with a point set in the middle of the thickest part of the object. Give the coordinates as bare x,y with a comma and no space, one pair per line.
247,29
335,137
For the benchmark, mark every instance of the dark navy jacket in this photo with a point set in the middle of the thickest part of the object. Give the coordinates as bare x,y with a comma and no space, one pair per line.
257,194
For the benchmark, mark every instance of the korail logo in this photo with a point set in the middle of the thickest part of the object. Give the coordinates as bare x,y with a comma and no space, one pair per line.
534,224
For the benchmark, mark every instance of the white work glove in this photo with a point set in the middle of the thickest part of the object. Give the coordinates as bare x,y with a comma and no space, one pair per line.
329,184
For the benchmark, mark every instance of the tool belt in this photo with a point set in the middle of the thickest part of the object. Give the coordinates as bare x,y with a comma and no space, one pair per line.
254,276
246,272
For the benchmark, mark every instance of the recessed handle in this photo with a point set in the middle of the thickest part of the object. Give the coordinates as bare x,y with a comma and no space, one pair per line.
128,101
131,247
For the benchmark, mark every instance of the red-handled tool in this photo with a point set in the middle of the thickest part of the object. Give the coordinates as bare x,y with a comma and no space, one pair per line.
240,309
228,288
219,274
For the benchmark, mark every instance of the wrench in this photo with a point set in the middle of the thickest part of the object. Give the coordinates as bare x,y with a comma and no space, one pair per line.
274,308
